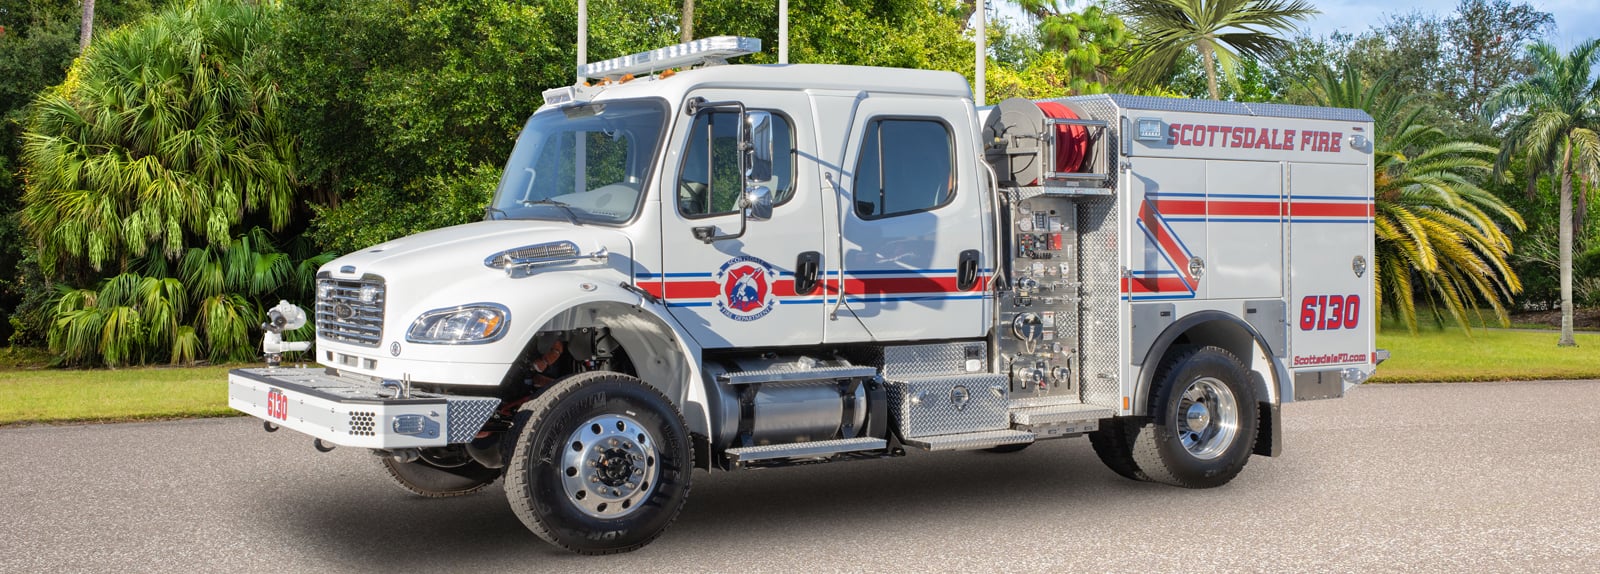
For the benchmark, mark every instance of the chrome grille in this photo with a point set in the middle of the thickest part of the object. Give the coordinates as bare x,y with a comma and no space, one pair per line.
345,316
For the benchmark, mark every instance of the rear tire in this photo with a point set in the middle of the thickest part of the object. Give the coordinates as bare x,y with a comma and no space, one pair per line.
1202,420
602,464
1114,445
440,473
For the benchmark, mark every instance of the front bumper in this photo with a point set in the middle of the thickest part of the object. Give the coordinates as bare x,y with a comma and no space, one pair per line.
356,412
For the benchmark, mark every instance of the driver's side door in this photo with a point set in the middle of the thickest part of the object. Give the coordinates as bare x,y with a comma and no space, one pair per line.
741,291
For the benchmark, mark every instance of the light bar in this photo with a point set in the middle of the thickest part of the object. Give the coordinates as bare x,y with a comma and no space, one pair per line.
702,51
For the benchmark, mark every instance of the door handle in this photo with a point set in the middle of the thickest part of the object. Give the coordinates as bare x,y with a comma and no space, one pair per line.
807,269
967,270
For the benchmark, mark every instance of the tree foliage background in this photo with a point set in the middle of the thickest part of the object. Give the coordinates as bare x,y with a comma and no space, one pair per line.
353,122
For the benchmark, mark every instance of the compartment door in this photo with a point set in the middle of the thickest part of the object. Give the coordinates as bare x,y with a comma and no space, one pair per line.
1330,261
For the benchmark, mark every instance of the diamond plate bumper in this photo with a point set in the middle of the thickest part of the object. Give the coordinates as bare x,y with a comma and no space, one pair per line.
355,412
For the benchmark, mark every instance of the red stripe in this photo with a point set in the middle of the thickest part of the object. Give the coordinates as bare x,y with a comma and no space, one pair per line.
1323,209
785,287
1245,208
901,285
1179,206
1154,285
1165,240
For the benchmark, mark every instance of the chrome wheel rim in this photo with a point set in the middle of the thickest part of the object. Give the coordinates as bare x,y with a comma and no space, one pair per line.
609,466
1207,418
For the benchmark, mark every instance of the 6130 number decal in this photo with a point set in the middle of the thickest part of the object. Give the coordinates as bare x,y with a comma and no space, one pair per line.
1330,312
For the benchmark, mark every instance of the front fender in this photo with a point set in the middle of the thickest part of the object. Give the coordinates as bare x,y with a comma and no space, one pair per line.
660,354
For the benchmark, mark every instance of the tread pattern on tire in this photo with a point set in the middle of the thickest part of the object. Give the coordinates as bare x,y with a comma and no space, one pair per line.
517,480
1146,439
1112,443
406,485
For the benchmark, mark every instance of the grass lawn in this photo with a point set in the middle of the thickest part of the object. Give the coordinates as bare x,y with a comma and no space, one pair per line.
1448,354
59,395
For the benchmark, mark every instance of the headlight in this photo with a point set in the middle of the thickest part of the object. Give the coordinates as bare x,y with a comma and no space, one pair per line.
472,324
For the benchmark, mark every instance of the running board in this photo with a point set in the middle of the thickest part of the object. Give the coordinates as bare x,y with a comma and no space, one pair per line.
971,441
815,449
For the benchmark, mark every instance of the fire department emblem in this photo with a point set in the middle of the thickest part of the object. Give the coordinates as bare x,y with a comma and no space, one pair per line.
746,288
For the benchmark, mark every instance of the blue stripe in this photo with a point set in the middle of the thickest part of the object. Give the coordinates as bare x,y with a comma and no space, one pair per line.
1174,194
671,275
1331,197
865,299
801,301
1158,297
900,271
1241,220
1148,272
1247,196
1163,252
1363,221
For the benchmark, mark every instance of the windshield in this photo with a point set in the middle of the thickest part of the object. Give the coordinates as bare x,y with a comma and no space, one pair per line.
581,163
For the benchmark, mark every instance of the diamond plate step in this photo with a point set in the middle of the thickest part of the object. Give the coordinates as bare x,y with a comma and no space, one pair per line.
971,441
804,449
797,375
1059,414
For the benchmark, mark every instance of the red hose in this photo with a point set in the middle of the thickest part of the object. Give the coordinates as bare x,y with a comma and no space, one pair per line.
1072,142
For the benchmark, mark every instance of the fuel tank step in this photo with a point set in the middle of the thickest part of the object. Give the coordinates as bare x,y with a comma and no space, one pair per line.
971,441
797,375
815,449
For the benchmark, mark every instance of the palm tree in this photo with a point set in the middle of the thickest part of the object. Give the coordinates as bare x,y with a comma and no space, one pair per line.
1553,118
1434,224
165,129
1221,30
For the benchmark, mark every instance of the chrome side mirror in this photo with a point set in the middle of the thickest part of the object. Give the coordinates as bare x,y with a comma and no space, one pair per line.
758,203
757,148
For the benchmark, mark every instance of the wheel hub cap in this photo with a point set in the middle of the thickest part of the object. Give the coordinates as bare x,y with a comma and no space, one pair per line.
609,466
1207,418
1198,417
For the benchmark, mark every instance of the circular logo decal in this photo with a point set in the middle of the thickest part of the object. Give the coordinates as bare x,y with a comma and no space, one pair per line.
394,348
746,288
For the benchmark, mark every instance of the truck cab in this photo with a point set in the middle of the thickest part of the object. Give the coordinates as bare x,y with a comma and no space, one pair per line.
693,265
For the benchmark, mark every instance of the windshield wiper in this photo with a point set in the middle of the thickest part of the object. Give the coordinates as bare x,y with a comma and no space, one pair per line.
572,215
490,210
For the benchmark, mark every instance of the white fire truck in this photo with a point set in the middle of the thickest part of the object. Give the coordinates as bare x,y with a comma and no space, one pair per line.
697,265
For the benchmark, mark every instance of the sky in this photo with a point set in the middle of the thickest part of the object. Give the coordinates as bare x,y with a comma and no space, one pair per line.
1576,20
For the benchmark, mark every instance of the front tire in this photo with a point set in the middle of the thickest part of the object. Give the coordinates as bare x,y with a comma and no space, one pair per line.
1203,420
602,464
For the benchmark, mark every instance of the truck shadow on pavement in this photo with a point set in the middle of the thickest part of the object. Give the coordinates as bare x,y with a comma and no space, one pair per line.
931,494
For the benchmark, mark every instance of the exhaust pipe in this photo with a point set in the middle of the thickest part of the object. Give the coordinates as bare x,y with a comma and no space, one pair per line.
321,446
268,426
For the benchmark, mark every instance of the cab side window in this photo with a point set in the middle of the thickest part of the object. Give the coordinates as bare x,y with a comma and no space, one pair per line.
709,182
905,166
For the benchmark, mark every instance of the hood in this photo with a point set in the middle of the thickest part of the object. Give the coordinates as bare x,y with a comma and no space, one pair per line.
463,248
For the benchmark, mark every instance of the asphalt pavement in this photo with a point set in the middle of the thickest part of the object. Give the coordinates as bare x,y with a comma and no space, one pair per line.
1414,478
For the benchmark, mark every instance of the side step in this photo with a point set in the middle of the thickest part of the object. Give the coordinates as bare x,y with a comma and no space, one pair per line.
815,449
1059,414
971,441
